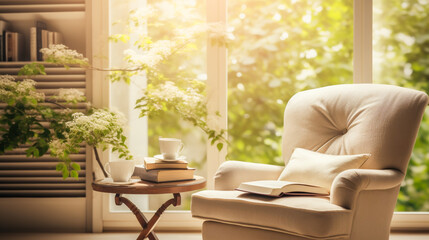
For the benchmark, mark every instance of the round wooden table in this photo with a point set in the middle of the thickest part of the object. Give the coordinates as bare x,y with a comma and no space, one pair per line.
144,187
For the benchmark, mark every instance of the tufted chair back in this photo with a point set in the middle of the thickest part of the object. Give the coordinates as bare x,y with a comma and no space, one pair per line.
356,118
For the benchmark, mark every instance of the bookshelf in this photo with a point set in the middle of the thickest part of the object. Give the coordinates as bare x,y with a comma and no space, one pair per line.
68,19
30,189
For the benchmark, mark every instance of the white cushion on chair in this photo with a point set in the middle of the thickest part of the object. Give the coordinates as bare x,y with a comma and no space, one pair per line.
320,169
302,216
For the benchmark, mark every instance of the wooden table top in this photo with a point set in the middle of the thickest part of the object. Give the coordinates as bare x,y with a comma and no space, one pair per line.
145,187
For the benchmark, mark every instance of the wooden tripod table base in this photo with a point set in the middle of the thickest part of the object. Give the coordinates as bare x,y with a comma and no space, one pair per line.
147,225
143,187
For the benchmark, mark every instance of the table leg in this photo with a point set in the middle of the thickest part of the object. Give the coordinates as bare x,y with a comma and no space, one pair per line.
148,226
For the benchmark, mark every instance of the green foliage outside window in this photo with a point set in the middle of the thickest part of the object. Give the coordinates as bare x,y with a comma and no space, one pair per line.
278,48
401,50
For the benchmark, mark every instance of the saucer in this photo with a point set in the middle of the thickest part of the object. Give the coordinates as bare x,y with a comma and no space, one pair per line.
110,181
160,157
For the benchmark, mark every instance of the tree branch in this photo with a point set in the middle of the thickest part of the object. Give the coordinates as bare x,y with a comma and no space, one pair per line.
99,162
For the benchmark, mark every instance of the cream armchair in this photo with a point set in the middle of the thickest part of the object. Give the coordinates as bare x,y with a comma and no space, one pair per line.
381,120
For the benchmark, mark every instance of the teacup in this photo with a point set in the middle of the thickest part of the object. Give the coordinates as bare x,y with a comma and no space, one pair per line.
120,171
170,147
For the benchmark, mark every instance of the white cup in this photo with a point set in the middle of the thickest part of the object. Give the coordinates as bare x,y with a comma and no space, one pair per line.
120,171
170,147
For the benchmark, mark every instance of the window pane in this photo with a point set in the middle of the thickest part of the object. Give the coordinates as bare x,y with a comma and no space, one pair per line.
400,57
279,48
188,63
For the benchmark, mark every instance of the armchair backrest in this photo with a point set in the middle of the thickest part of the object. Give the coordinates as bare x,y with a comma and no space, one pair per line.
382,120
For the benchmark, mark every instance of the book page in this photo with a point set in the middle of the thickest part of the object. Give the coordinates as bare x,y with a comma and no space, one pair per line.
277,188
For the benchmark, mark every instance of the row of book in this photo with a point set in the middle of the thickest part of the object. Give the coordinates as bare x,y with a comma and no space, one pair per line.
13,47
156,170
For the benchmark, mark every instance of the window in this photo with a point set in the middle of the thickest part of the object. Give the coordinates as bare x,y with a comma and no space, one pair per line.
322,43
400,52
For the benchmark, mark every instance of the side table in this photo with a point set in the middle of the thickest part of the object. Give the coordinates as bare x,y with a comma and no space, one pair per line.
145,187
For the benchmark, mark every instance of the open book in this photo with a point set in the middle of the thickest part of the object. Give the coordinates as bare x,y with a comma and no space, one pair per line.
279,188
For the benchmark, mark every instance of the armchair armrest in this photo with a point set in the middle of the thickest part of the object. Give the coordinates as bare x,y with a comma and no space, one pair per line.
231,173
347,185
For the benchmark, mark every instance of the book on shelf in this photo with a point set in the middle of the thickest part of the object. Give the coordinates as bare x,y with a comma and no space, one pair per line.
39,27
4,26
154,163
45,34
164,175
33,44
14,46
50,38
58,38
276,188
47,38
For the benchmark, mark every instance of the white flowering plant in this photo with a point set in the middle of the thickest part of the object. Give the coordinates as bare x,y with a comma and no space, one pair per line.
173,90
101,128
70,95
61,54
48,124
24,115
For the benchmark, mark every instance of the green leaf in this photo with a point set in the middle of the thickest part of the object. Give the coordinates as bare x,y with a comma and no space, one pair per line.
65,173
36,152
74,174
32,69
219,146
30,151
60,166
75,166
11,102
33,101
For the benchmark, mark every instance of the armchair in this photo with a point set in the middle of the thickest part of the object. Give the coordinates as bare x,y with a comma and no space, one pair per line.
382,120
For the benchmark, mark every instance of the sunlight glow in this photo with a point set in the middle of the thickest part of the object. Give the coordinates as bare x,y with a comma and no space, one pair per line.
284,36
307,17
277,17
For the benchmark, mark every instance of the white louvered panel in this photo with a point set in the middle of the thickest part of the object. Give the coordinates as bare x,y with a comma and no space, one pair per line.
34,173
31,166
10,70
42,193
79,105
32,180
53,78
21,151
26,2
50,92
35,8
54,106
44,158
41,186
57,110
82,145
56,85
44,124
21,176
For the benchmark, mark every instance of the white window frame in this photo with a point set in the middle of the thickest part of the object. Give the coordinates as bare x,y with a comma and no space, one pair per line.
217,84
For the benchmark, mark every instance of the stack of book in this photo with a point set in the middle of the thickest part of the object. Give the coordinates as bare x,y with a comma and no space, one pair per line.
157,170
42,38
12,44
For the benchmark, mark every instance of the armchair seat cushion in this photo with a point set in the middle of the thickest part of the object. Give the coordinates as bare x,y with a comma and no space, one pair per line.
313,217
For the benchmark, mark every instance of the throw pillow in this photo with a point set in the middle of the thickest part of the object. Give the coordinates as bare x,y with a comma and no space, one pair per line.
320,169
